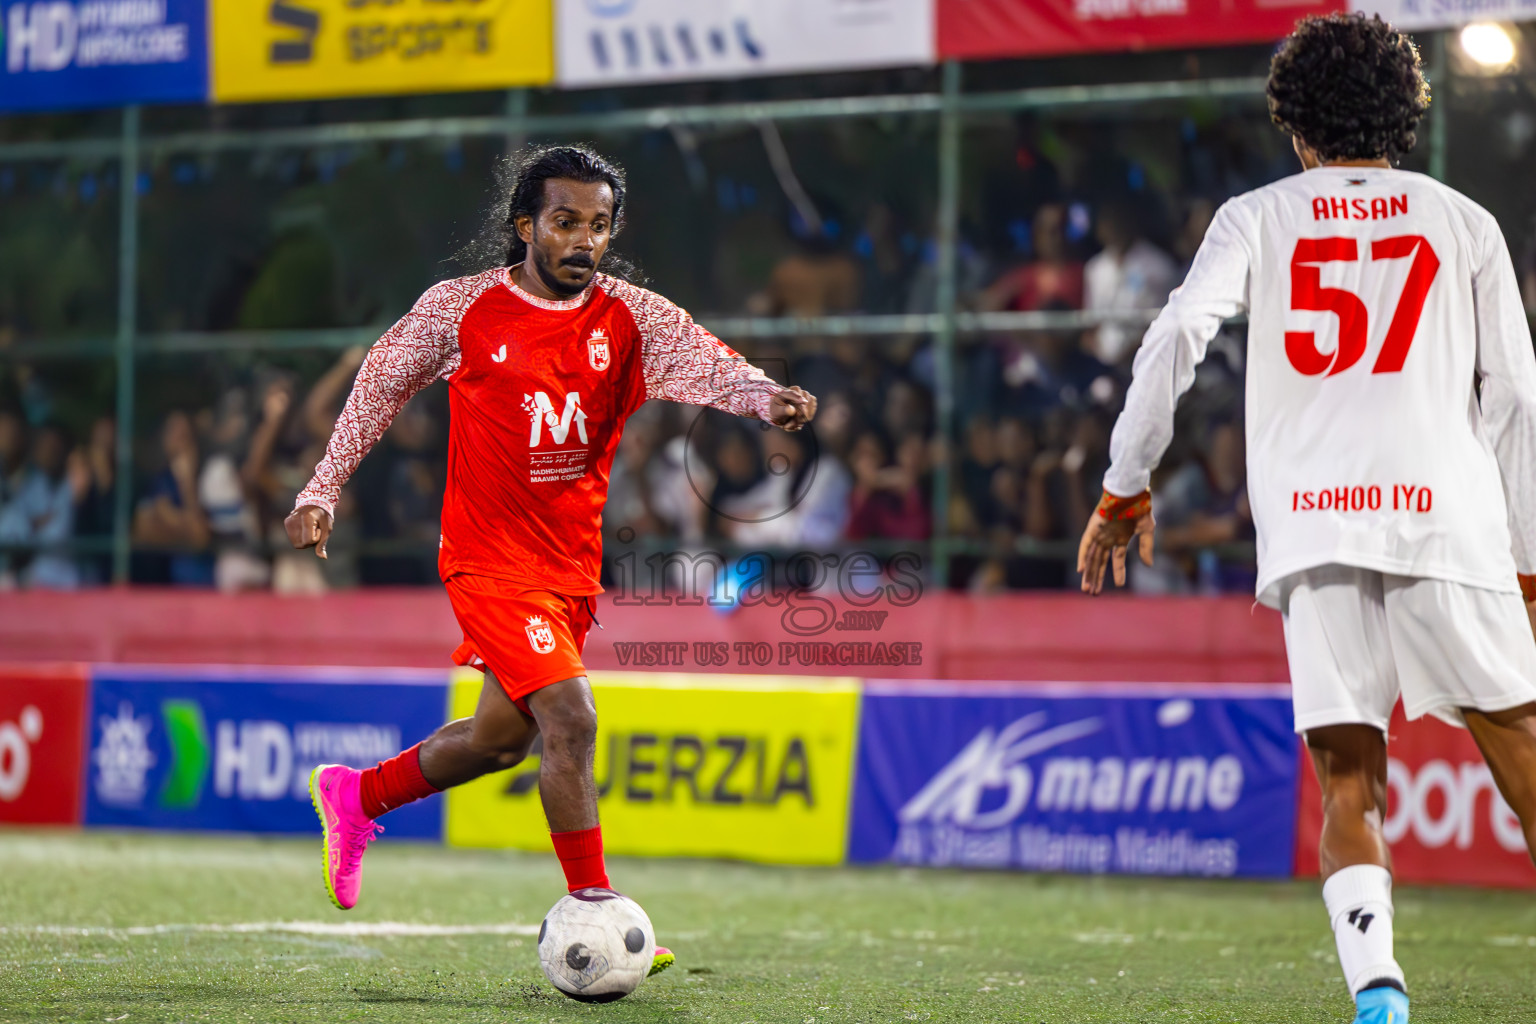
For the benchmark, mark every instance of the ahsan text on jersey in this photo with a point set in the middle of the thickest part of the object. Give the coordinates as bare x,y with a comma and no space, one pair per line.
1359,208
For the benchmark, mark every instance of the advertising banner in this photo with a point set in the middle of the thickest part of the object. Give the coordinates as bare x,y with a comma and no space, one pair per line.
1446,821
752,767
100,53
210,749
1133,780
305,49
604,42
1419,14
42,735
978,29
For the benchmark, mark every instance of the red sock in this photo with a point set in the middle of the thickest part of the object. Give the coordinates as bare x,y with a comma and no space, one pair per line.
394,783
581,855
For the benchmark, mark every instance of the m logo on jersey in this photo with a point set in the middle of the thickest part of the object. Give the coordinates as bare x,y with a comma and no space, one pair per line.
598,354
541,413
540,635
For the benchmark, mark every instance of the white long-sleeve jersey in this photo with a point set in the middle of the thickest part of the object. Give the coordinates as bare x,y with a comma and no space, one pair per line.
1391,393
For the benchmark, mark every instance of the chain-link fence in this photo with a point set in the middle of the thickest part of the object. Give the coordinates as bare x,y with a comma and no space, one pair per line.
958,260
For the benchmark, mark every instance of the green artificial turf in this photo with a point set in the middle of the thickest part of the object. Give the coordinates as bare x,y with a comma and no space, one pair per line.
755,944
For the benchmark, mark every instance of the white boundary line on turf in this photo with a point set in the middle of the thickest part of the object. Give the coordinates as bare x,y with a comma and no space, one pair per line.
390,929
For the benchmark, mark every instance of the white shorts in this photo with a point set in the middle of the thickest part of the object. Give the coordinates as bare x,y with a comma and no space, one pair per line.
1355,638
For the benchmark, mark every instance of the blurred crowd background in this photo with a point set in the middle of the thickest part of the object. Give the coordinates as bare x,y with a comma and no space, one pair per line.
1097,210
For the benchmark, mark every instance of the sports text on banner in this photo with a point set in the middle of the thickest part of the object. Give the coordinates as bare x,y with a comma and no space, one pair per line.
297,49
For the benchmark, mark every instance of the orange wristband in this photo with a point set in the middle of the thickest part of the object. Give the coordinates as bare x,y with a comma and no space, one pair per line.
1113,508
1527,587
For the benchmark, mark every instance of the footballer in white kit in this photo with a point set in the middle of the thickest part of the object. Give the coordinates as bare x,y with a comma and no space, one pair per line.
1391,431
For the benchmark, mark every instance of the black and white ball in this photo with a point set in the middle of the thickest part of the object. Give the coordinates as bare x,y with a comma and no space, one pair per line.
596,945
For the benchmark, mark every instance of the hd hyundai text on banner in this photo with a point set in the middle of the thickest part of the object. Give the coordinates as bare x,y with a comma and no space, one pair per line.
978,29
303,49
1188,781
42,733
1446,822
100,53
204,749
752,767
604,42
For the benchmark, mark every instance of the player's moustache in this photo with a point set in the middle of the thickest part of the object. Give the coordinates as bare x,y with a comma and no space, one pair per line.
581,259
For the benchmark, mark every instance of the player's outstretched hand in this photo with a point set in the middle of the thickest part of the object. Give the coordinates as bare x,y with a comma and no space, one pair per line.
1111,528
309,526
792,408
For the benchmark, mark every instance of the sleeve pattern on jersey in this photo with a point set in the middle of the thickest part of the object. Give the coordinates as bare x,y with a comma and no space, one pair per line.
421,347
682,362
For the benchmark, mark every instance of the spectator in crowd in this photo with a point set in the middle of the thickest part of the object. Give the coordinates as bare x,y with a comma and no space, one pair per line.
858,368
225,491
800,502
13,450
38,516
93,474
736,471
1128,275
1052,279
632,483
1215,512
886,249
888,497
284,452
818,278
1044,370
977,464
170,516
1197,221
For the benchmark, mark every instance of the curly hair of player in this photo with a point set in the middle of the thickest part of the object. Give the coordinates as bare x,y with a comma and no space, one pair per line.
1349,87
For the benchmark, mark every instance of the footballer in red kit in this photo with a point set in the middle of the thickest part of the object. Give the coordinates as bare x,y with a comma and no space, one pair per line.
545,359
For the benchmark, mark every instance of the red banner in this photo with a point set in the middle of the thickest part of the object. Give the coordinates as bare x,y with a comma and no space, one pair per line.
978,29
42,744
1445,819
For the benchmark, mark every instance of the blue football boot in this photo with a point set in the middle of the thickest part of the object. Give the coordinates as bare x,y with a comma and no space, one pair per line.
1381,1005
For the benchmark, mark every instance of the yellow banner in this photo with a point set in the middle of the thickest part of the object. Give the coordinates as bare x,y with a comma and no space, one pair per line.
752,767
299,49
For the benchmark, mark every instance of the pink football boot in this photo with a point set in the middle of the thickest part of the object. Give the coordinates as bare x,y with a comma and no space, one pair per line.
348,831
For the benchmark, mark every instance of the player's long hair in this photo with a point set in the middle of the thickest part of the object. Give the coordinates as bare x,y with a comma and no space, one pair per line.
1349,87
520,180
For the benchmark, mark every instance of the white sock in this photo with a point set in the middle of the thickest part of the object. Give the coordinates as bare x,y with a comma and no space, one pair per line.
1359,901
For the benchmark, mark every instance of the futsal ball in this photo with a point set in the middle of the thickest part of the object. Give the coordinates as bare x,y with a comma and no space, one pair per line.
596,946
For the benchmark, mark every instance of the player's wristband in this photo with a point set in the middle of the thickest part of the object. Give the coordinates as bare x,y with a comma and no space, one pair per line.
1114,508
1527,587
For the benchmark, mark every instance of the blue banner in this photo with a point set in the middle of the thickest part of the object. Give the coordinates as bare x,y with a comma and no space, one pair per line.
103,53
1189,782
232,751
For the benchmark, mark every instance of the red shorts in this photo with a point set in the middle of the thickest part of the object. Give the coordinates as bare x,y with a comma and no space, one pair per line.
528,638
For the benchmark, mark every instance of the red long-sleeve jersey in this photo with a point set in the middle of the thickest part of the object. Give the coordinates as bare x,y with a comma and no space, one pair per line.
538,395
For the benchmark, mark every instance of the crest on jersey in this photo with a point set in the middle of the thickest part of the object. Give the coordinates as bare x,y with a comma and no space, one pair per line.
598,353
540,635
